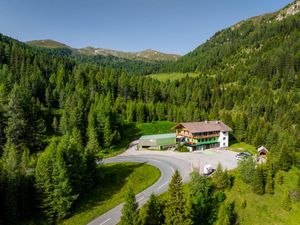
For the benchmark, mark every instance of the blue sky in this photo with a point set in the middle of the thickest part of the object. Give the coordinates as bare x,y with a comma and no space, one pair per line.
173,26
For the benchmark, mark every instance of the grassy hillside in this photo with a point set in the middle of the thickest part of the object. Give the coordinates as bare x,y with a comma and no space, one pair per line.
266,209
172,76
158,127
111,193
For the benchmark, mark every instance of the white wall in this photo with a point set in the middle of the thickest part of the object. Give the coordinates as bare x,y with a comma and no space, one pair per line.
224,139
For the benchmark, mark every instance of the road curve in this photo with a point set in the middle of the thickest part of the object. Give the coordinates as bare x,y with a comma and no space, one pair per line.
166,167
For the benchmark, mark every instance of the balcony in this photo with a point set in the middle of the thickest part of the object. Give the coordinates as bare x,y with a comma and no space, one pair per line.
201,143
198,136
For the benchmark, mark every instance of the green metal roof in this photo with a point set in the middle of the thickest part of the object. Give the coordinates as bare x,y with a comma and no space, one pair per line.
159,136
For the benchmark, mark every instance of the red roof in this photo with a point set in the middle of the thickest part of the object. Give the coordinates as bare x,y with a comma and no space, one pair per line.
205,126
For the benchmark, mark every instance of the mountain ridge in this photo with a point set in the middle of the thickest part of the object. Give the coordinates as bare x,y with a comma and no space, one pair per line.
147,54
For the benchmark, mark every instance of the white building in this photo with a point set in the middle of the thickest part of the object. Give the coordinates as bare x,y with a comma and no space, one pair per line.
203,135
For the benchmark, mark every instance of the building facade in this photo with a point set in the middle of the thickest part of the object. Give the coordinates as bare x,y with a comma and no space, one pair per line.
203,135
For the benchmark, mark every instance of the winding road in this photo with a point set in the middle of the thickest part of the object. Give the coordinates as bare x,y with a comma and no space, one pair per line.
167,163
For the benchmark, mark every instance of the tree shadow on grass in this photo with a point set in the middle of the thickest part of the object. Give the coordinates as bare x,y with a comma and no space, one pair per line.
114,178
129,132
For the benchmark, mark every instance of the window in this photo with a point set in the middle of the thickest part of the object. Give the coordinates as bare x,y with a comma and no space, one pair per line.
224,138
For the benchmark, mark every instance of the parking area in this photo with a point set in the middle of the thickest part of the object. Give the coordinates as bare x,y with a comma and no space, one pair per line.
194,159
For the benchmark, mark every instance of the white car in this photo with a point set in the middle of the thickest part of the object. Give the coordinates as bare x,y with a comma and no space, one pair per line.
208,169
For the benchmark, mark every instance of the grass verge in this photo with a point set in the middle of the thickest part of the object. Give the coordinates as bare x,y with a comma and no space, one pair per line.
117,178
242,147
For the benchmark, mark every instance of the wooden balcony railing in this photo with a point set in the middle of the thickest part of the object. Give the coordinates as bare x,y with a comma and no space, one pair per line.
198,136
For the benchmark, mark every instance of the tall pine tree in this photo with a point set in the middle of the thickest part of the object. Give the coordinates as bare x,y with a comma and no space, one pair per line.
176,204
130,212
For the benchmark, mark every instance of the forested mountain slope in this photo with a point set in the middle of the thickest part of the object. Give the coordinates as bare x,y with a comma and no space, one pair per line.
264,46
57,114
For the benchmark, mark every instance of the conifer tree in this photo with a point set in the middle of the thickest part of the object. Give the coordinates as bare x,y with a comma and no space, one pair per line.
286,158
175,209
52,183
246,170
258,182
221,178
107,133
151,213
270,180
130,212
202,199
225,214
223,217
90,158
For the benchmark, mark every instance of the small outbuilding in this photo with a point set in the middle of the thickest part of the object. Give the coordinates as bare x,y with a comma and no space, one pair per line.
157,142
262,151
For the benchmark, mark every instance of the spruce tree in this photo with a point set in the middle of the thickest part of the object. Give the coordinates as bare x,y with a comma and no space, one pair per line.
53,184
201,194
223,217
90,158
258,183
107,133
246,170
226,215
269,188
221,178
151,213
175,209
130,212
286,158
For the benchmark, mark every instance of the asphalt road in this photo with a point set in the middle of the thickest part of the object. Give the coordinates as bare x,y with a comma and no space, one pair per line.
166,167
167,163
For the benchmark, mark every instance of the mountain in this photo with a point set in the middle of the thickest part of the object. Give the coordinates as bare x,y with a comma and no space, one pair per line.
148,55
47,43
244,43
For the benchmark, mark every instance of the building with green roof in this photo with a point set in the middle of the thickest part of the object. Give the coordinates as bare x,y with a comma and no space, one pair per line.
158,141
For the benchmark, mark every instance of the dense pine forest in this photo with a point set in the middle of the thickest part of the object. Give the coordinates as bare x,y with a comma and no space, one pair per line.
58,113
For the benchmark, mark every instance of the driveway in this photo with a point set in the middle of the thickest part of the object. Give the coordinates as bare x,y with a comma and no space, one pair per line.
167,162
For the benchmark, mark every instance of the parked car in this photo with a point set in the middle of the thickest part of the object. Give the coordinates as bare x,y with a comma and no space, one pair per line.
208,169
242,155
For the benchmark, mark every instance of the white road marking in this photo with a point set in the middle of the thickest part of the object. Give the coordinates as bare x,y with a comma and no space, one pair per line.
140,199
162,185
105,221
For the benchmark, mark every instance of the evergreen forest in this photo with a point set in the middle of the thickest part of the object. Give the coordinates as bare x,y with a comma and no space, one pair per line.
60,114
